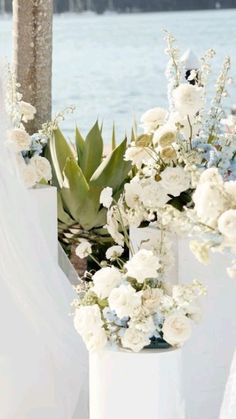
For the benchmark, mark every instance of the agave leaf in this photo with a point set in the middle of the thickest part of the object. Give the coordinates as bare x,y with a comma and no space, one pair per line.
113,170
61,214
60,151
79,145
113,140
75,189
92,154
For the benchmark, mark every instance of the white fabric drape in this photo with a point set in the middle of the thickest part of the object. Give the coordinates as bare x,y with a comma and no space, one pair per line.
43,362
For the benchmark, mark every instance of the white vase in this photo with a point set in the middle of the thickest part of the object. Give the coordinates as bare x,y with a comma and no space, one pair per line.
45,201
145,385
137,235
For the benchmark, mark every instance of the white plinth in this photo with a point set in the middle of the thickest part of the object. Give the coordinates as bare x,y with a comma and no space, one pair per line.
207,355
45,200
126,385
139,235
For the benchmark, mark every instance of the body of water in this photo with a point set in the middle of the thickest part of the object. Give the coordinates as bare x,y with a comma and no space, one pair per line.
112,66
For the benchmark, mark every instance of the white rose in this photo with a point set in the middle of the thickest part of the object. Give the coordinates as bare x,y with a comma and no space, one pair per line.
188,99
28,175
124,300
211,175
95,340
165,136
176,329
137,155
200,251
151,299
114,252
227,224
105,280
175,180
152,119
106,197
87,319
42,168
18,140
84,249
230,188
154,195
210,202
135,340
144,264
133,191
27,111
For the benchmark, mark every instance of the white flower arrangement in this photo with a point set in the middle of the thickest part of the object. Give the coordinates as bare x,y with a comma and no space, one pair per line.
33,167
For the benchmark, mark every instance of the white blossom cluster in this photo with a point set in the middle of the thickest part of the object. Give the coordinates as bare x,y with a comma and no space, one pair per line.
33,168
215,208
129,305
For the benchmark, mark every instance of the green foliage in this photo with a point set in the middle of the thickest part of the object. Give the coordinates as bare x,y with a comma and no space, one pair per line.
82,173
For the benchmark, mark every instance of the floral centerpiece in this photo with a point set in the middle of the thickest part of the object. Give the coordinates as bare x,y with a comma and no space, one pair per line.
129,304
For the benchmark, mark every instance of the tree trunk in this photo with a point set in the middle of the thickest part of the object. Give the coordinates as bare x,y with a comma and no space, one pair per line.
32,41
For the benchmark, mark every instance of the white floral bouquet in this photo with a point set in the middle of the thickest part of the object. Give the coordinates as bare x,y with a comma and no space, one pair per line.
33,167
213,218
180,142
130,304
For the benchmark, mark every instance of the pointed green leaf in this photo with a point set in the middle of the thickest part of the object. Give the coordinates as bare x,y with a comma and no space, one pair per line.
113,170
79,144
60,150
93,149
61,214
75,188
113,140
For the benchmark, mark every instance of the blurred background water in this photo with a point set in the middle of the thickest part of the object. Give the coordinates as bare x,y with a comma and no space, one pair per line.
112,66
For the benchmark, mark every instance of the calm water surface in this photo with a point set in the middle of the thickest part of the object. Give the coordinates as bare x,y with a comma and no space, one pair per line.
112,66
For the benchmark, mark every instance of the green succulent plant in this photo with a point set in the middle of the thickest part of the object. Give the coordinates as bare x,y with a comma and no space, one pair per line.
80,173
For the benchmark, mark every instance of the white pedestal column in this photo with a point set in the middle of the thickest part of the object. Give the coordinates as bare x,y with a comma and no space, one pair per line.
146,385
207,355
45,200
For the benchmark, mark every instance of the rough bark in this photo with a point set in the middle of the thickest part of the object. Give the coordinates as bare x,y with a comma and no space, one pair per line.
32,42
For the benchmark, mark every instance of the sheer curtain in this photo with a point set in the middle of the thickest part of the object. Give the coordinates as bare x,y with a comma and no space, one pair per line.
43,362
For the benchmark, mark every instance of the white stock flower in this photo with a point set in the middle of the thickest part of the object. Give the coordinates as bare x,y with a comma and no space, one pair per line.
114,252
175,180
165,136
96,340
153,118
124,300
42,168
105,280
137,155
227,224
145,325
188,99
106,197
112,227
87,319
176,329
133,191
134,339
18,140
84,249
144,264
28,175
27,111
210,202
153,194
200,251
